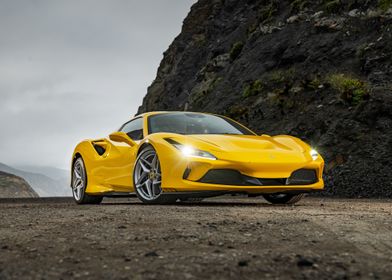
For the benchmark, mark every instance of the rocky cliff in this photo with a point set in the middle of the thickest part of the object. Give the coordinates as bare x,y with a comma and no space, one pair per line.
44,185
318,70
12,186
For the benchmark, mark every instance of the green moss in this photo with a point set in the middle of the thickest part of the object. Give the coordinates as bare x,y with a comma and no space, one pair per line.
214,84
252,28
281,76
236,112
384,4
199,97
351,90
235,50
268,11
298,5
361,50
199,39
314,84
254,88
332,6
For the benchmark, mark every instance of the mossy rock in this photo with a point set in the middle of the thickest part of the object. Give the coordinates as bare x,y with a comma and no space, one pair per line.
332,6
254,88
268,11
236,50
200,93
351,90
385,4
298,5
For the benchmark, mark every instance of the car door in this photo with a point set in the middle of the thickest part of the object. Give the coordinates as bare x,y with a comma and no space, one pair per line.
121,157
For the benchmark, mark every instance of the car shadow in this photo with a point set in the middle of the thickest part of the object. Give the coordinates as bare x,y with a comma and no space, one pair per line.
223,203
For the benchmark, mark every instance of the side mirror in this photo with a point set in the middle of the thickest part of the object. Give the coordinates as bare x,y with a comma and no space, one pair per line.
120,136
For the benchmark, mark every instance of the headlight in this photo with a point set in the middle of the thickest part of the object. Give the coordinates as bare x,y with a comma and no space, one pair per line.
314,154
189,151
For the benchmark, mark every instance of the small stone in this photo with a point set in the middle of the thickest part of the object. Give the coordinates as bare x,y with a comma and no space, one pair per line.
373,13
243,263
303,262
151,254
292,19
121,227
354,13
317,14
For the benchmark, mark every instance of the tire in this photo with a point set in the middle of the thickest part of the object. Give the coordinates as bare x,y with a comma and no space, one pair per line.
283,198
79,184
147,178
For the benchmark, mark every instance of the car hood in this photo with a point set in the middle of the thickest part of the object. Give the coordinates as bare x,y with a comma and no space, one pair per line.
250,143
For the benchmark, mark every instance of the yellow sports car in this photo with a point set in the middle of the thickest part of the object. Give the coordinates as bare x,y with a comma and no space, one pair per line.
164,157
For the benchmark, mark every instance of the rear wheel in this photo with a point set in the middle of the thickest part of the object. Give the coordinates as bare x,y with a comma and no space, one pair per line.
283,198
147,178
79,184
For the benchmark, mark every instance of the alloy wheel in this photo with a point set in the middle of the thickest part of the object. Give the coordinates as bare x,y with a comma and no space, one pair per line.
78,181
147,175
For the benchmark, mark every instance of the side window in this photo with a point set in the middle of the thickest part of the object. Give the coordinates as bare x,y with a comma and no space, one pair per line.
134,129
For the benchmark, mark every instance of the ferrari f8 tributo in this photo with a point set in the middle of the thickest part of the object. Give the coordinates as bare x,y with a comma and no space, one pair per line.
163,157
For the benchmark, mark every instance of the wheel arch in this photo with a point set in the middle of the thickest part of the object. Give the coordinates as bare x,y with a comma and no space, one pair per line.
143,146
85,151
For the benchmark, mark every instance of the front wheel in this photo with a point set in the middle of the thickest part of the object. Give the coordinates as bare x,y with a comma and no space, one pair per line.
79,184
147,178
283,198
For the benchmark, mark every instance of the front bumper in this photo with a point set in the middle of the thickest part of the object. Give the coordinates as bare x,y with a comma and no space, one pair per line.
191,174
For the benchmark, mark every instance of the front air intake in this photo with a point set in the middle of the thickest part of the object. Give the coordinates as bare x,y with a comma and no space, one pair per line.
236,178
302,177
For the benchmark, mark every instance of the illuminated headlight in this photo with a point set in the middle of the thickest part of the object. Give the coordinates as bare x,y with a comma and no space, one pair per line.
314,154
189,151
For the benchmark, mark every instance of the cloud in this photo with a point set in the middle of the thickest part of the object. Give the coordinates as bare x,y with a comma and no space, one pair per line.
71,70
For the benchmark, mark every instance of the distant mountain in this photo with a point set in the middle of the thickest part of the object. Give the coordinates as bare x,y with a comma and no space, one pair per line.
12,186
42,184
52,172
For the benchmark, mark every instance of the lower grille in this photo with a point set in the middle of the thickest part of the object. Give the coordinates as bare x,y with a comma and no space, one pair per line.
302,177
235,178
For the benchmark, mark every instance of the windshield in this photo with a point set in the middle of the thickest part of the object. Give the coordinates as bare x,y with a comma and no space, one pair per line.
194,123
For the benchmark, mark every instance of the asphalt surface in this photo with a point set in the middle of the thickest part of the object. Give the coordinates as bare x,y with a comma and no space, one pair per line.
220,238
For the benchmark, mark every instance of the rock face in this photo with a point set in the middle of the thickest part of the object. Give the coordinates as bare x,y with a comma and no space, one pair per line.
318,70
12,186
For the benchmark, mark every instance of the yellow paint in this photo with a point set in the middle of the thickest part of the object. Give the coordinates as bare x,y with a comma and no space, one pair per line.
256,156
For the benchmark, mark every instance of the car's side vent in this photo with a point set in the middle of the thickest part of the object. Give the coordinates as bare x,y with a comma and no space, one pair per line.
100,146
100,150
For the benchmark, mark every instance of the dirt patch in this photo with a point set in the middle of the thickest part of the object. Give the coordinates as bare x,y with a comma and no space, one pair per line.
221,238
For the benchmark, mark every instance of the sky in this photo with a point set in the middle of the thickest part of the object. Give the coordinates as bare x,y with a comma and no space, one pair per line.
76,69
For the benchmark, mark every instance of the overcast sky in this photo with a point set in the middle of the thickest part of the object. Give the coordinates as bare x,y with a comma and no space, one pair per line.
71,70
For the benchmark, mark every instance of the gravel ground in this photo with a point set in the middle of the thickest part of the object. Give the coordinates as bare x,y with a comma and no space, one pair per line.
220,238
